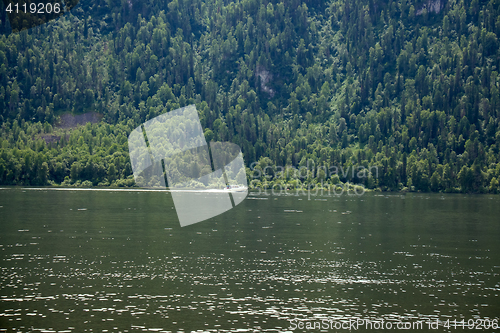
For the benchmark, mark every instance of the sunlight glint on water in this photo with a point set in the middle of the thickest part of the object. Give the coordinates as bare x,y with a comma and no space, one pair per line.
119,261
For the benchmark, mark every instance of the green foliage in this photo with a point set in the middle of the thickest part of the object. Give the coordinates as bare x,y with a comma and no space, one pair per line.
341,83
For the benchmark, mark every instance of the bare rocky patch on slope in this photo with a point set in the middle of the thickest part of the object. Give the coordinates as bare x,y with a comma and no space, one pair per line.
69,121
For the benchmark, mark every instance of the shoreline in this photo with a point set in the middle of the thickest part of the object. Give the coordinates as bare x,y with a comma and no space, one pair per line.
104,189
266,191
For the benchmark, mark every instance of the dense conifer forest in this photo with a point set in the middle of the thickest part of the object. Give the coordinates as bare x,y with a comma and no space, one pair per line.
410,86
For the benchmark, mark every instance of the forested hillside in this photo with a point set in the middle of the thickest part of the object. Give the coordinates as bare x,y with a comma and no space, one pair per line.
411,87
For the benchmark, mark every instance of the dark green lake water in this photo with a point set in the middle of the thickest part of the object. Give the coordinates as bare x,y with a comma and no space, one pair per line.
118,261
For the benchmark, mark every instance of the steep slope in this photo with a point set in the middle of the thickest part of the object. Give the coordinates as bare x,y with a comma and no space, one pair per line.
408,87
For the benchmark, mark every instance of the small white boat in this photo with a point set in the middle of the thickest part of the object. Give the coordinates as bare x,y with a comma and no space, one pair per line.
235,188
229,188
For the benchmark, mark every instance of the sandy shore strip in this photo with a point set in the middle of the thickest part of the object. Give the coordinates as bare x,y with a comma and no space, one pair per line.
115,189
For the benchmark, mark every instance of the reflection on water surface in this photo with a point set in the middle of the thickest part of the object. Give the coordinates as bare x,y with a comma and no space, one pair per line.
117,261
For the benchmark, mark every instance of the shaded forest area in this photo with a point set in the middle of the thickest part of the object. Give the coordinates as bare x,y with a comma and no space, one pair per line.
411,87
